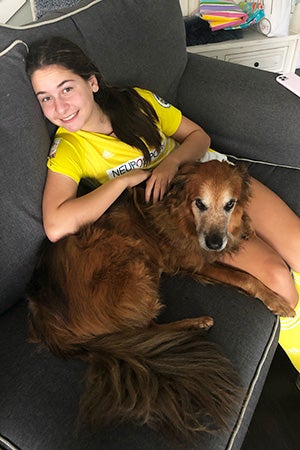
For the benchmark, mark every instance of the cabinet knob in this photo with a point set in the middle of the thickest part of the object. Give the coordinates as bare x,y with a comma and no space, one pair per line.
256,64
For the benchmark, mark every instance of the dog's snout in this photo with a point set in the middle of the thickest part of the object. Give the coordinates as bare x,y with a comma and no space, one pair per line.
214,242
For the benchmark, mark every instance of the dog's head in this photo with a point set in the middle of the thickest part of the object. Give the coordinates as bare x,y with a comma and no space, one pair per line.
216,194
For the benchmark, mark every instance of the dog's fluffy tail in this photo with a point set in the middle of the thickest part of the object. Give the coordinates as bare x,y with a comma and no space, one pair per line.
170,380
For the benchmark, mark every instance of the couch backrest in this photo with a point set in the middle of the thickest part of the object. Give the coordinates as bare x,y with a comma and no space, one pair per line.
133,43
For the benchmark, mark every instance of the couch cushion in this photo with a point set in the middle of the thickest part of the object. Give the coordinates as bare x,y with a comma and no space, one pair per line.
244,110
42,7
24,144
136,43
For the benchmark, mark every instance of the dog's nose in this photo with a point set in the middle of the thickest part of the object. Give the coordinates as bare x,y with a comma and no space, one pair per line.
214,242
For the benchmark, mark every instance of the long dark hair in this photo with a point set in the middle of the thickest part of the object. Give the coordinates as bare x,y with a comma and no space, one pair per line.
133,119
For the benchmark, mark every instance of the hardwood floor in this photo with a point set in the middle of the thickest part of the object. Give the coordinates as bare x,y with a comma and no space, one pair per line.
276,421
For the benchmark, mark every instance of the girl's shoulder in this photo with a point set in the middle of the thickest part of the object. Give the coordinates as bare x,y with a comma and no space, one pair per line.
152,98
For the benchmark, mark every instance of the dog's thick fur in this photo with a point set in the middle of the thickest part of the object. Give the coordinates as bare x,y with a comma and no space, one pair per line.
94,295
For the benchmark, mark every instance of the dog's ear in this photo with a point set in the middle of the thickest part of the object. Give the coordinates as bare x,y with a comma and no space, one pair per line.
247,229
189,168
176,192
242,170
177,185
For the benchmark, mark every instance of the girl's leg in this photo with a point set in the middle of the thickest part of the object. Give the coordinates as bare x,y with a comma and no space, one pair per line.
277,241
260,260
275,223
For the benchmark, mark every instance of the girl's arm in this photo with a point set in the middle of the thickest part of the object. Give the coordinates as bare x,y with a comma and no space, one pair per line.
194,143
64,213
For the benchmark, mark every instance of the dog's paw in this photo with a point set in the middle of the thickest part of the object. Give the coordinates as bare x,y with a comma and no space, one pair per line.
204,322
288,311
279,306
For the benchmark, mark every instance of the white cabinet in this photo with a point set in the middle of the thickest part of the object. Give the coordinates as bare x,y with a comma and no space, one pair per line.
275,54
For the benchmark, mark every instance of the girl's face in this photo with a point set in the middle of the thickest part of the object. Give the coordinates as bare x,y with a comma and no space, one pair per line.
67,99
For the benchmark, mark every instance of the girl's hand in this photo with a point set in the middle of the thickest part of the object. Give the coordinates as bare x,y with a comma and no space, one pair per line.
193,143
160,179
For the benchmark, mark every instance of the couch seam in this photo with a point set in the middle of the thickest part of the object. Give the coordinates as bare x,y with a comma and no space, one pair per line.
252,387
12,45
283,166
8,444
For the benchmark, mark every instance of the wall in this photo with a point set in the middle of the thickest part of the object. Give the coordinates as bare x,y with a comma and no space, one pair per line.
22,16
187,6
15,12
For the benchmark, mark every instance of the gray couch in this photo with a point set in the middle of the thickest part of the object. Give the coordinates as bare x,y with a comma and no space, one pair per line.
248,116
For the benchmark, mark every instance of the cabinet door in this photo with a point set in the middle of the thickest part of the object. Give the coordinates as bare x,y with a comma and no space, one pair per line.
272,60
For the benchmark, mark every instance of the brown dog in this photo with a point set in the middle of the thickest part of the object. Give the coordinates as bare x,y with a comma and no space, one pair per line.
94,295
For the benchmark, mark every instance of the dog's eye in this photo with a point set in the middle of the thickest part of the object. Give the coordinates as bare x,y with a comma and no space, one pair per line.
200,205
229,205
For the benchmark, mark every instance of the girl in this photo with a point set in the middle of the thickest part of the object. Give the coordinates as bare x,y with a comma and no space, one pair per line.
123,136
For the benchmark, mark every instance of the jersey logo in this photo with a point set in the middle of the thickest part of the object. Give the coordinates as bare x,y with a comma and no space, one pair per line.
161,101
107,154
126,167
54,148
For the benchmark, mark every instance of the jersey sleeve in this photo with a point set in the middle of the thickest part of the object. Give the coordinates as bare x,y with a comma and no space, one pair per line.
65,157
168,115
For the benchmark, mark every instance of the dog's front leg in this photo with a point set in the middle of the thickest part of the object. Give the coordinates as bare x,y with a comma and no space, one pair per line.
231,276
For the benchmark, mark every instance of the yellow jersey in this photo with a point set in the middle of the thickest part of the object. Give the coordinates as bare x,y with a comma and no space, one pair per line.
84,154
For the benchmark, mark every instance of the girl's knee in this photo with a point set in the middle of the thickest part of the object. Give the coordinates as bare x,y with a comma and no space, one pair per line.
279,278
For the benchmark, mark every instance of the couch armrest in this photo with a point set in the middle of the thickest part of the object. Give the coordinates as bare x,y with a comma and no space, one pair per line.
245,111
